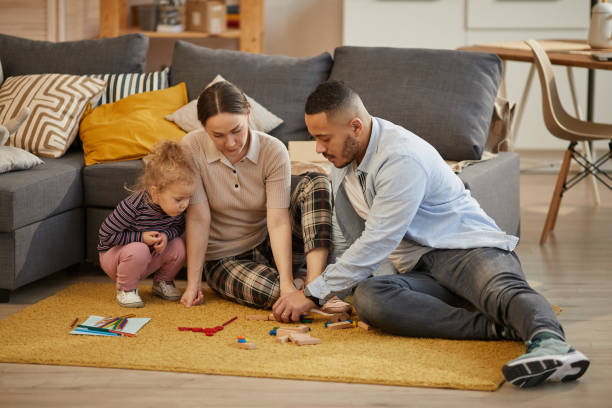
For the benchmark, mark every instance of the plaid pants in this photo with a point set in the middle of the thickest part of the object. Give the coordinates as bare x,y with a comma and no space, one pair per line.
251,278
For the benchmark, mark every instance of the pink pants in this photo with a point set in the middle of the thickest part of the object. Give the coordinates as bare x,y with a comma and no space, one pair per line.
127,264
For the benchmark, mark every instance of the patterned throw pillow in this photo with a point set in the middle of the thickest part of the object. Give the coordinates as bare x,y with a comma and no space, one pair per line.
261,119
57,102
119,86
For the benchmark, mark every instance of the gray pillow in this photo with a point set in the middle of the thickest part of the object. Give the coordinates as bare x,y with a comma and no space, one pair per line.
444,96
21,56
280,83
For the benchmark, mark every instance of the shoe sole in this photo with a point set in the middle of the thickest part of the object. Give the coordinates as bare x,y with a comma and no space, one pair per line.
530,372
132,305
160,294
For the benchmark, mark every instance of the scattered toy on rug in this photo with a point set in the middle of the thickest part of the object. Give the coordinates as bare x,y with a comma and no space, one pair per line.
364,325
346,324
244,343
304,339
209,331
261,317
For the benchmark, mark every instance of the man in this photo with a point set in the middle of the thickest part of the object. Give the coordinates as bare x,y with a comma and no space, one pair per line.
398,207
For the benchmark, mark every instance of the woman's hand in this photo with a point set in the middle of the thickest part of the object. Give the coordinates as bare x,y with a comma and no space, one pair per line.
192,297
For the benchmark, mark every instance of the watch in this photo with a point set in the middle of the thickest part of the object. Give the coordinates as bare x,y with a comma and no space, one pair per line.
311,297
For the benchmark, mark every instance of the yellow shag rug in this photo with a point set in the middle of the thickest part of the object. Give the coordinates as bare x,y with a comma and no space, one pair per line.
39,334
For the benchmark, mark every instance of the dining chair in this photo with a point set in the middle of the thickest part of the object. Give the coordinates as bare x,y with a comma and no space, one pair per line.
566,127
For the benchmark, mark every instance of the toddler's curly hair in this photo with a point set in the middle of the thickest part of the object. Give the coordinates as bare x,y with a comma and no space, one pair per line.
168,163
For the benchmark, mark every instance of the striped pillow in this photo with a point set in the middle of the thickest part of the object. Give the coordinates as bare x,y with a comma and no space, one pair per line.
119,86
57,102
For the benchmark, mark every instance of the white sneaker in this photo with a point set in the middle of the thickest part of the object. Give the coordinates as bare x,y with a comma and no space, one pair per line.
166,290
129,298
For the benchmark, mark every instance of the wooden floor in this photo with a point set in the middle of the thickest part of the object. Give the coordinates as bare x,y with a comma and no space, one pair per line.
573,270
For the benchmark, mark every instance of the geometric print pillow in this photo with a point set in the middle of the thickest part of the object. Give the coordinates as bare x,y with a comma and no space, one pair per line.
119,86
57,102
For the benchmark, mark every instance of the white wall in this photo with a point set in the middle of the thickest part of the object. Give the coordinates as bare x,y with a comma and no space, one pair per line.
448,24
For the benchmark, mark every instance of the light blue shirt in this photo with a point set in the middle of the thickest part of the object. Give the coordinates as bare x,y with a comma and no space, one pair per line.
413,194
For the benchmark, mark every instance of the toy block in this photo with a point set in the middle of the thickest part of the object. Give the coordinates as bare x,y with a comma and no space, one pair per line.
297,329
340,325
285,331
364,325
303,339
260,317
282,339
339,317
246,346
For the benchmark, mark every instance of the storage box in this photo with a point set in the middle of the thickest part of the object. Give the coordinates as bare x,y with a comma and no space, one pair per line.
207,16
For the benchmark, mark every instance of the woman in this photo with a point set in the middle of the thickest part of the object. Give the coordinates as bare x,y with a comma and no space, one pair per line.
245,226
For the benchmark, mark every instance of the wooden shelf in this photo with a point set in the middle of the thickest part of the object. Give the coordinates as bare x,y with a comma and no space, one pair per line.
113,22
235,34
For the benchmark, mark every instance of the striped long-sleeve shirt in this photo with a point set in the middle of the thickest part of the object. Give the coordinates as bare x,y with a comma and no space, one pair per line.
133,216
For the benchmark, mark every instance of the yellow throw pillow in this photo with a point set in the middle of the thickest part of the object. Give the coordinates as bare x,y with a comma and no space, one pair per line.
128,128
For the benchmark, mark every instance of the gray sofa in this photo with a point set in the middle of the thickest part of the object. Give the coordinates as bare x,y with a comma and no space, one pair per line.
50,215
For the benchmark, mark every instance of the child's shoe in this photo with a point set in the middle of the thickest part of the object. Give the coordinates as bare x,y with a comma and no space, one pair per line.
129,298
166,290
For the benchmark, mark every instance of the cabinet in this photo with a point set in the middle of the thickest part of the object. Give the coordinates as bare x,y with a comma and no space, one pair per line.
114,22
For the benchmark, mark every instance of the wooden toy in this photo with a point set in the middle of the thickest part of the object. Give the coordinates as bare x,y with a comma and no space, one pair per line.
340,325
304,339
364,325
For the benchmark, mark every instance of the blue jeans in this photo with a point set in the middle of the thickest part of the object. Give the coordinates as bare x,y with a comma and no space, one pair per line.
456,294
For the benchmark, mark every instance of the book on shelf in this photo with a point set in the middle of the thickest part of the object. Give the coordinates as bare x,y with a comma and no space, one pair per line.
170,28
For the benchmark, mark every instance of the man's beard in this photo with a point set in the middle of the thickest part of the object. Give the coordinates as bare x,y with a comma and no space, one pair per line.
350,150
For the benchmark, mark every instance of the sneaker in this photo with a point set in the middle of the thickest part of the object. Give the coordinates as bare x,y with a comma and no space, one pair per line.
166,290
506,333
548,359
129,298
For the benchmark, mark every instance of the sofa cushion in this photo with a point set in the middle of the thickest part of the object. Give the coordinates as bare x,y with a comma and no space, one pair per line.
33,195
280,83
129,128
119,86
444,96
21,56
105,183
42,248
57,103
495,185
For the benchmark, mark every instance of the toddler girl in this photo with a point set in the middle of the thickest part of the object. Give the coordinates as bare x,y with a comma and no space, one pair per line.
142,235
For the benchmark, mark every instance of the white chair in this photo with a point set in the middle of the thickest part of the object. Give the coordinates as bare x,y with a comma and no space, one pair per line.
562,125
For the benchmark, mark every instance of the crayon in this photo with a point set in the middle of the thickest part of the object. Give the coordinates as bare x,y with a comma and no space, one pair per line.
101,329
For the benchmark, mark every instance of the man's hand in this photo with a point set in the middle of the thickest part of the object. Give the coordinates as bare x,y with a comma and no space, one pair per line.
161,243
289,307
192,297
150,237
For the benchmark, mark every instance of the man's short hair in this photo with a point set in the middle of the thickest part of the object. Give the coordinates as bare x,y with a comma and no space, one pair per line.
329,97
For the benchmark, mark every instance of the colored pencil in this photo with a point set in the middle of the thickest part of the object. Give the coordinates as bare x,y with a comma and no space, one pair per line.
104,321
123,323
102,329
76,319
117,323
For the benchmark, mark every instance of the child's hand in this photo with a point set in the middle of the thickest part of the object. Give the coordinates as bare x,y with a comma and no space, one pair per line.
161,243
150,237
